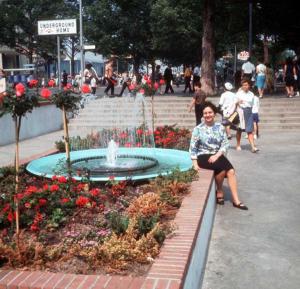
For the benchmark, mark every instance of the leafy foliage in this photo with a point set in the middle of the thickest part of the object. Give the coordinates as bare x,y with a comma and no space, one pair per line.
18,106
67,99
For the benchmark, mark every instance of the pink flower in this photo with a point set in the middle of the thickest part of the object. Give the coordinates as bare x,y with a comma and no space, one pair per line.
27,205
46,93
131,87
51,83
20,89
161,82
139,131
156,85
142,91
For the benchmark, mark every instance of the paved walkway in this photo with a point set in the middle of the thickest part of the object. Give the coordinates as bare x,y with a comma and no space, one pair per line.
259,248
30,148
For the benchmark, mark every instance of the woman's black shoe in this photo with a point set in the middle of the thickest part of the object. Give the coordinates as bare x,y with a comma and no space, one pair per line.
220,201
240,206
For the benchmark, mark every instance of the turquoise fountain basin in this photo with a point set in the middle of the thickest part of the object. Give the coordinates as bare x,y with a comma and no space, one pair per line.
166,160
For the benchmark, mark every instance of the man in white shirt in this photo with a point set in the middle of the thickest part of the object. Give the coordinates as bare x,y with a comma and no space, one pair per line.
248,70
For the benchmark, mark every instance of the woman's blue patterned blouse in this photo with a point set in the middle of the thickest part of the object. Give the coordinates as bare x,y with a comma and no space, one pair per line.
208,140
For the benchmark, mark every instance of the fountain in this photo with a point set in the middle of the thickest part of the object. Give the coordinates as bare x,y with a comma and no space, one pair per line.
124,153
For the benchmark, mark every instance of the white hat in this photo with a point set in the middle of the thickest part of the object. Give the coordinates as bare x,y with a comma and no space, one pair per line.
228,86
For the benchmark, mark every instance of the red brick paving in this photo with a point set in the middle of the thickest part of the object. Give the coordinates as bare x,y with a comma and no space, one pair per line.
167,272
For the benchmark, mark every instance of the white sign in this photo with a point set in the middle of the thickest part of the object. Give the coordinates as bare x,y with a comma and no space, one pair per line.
243,55
89,47
57,27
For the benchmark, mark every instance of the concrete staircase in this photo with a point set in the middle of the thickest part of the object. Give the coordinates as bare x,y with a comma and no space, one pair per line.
276,113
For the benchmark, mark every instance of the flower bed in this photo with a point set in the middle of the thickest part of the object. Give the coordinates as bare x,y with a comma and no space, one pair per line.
74,227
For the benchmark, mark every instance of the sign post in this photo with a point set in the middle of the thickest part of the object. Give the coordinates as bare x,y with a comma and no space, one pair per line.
57,27
58,63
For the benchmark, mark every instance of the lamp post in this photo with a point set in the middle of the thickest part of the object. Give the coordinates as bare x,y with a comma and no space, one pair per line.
250,26
81,42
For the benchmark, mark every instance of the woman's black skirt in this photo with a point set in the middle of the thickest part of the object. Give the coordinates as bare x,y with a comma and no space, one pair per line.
221,164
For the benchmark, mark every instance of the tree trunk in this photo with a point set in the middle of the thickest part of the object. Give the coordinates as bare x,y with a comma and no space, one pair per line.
208,48
17,121
67,143
266,50
136,65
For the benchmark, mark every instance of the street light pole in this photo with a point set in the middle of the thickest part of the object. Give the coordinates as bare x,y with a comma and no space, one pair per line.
81,42
250,25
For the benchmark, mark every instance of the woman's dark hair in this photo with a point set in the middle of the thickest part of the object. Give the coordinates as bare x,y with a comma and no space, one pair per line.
211,105
246,80
289,60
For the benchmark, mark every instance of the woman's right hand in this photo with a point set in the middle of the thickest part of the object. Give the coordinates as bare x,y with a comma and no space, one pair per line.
195,165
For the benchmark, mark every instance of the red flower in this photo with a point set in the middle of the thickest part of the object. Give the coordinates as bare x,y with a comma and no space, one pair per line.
148,81
64,200
82,201
51,83
156,85
45,187
54,178
30,190
27,205
80,187
19,196
145,77
54,188
142,91
6,208
138,144
34,228
128,144
85,88
46,93
33,83
161,82
10,217
95,192
62,180
20,89
42,202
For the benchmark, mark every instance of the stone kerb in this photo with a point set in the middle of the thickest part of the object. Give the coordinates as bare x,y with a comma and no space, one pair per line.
177,266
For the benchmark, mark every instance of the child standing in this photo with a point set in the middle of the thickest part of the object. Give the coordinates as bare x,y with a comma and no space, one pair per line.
255,110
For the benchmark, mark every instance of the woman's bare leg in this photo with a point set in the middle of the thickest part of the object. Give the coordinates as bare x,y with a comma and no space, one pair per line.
232,182
238,139
219,178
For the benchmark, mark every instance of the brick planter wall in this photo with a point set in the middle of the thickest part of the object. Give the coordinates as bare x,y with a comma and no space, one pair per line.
176,267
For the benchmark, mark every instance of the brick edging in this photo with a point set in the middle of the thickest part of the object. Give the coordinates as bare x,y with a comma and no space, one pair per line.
168,271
